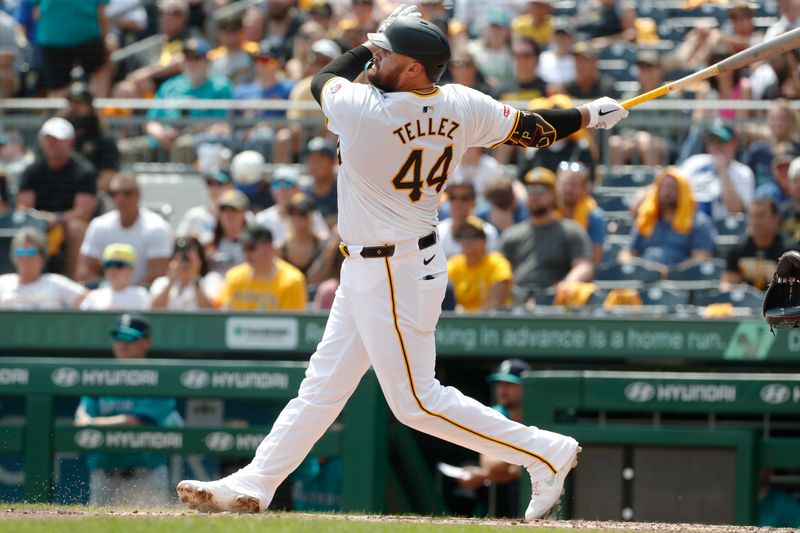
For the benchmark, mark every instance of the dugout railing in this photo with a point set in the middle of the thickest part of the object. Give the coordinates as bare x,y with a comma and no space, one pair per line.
669,446
361,440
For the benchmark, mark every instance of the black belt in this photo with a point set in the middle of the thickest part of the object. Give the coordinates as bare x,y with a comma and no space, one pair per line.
387,250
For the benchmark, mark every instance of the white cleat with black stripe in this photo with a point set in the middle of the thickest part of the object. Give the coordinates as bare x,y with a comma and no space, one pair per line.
214,497
546,492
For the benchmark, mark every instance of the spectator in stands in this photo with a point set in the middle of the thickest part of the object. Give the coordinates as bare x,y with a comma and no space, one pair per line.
128,479
602,22
302,246
462,70
789,19
99,147
264,282
755,257
535,22
323,52
734,36
148,234
62,185
325,272
574,199
117,293
127,19
477,167
545,250
321,164
461,201
507,384
321,12
776,506
162,131
653,145
474,17
162,62
790,210
226,249
728,85
70,34
779,189
270,84
233,58
11,41
481,279
310,32
29,288
282,23
557,63
589,81
188,285
15,157
578,147
669,229
783,124
284,185
199,221
248,170
526,84
503,207
720,184
492,52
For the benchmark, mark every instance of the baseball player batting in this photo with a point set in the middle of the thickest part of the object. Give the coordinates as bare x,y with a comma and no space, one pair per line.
399,138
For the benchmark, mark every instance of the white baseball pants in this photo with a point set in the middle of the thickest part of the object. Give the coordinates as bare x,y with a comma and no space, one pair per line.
384,315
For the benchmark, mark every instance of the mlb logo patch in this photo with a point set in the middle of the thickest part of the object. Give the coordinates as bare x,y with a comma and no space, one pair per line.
427,109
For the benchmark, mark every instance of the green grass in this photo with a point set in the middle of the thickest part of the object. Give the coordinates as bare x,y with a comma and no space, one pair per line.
48,518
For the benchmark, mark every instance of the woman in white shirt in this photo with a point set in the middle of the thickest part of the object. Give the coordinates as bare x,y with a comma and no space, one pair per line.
117,293
28,288
188,285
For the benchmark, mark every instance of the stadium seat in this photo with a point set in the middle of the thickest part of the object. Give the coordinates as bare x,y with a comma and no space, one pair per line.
701,275
733,224
739,296
6,266
632,274
637,177
613,202
657,295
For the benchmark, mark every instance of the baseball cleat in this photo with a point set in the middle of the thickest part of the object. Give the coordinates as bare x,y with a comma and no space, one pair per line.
546,492
213,497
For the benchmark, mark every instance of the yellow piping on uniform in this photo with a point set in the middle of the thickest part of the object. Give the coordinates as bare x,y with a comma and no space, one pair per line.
424,94
414,390
513,129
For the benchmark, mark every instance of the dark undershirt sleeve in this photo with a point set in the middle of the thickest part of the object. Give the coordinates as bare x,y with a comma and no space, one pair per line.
542,127
348,65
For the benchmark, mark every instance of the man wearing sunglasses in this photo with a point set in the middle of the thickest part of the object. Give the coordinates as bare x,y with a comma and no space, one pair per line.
199,222
130,479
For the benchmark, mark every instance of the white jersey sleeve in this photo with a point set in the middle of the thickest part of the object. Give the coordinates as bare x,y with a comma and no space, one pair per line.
343,104
493,122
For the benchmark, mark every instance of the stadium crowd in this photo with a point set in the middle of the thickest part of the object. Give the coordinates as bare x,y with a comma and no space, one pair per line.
565,225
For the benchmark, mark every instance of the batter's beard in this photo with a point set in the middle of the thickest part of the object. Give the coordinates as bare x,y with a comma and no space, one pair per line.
373,76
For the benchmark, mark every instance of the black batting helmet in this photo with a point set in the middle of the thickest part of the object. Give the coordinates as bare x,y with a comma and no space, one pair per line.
418,39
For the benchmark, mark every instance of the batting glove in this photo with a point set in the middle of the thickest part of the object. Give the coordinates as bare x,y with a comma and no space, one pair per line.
400,11
604,113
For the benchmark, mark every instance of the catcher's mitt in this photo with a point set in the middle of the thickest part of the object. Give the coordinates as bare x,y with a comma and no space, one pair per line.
782,299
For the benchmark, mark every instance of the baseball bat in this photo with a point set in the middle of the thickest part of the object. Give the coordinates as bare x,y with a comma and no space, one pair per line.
775,46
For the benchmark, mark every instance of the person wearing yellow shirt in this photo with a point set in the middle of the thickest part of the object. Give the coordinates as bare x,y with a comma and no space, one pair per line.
263,282
536,22
481,281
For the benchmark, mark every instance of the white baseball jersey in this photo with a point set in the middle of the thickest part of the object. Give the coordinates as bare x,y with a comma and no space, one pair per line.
394,169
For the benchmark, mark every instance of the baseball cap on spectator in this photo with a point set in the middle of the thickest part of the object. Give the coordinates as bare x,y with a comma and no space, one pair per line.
131,327
719,133
473,228
783,153
218,176
285,176
119,255
327,48
254,234
562,26
231,22
234,198
321,8
196,48
179,5
648,57
266,51
301,202
57,127
584,49
541,176
80,91
510,371
318,145
498,17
